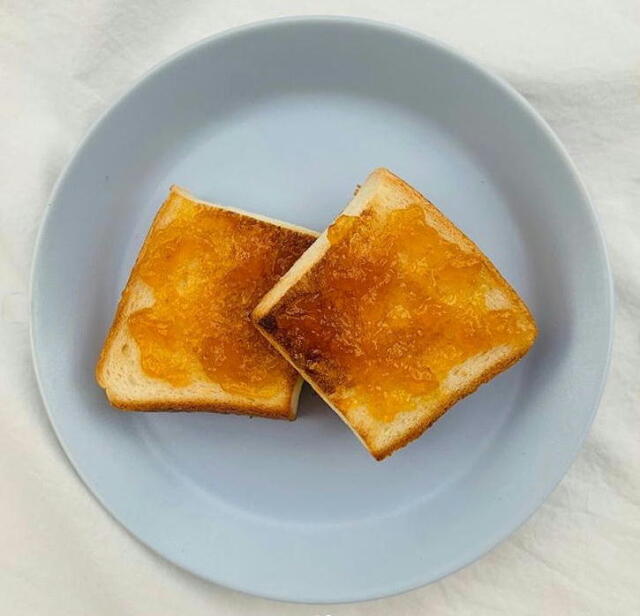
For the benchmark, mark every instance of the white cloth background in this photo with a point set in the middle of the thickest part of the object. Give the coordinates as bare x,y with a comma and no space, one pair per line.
63,62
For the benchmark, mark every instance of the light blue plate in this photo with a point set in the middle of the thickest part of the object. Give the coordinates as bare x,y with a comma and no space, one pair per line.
284,118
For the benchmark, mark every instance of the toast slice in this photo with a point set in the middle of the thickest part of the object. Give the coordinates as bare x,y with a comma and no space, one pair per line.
393,315
182,338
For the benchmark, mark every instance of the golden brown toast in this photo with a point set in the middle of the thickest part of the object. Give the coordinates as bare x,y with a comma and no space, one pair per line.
182,338
393,315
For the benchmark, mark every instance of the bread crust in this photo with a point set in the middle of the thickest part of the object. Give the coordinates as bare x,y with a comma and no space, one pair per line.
203,405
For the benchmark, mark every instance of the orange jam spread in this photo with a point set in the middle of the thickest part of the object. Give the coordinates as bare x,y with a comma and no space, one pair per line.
208,268
391,308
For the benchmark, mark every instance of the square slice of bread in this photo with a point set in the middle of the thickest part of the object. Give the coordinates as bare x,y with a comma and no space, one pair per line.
393,315
182,338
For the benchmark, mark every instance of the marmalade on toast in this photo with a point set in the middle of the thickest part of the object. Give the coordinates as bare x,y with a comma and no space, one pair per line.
390,309
208,268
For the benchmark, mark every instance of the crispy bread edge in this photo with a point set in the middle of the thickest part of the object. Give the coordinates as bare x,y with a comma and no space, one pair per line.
206,406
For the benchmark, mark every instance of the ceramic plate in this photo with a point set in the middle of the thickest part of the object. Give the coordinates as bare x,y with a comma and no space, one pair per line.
283,118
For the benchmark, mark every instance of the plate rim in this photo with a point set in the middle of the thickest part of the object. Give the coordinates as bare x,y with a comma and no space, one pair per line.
373,25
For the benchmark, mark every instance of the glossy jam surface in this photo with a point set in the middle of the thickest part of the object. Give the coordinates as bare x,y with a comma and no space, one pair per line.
391,308
207,269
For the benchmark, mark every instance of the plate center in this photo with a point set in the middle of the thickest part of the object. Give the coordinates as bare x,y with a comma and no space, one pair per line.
267,158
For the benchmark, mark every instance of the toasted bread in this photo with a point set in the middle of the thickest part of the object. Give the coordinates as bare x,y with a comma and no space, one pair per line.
393,315
182,338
